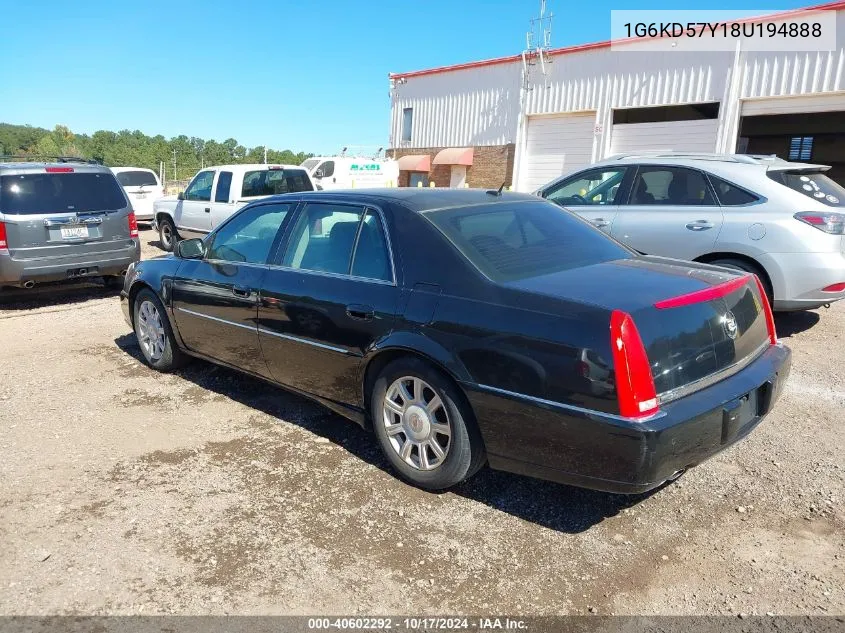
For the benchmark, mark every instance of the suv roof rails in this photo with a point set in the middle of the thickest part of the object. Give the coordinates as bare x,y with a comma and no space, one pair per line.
49,159
749,159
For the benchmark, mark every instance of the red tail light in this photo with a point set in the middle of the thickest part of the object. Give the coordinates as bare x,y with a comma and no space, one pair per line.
133,224
59,170
583,369
700,296
770,317
829,222
4,246
634,382
834,287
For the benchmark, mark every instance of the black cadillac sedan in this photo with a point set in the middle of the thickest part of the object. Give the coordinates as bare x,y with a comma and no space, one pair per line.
466,327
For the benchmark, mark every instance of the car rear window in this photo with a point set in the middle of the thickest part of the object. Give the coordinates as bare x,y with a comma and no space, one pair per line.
136,178
268,182
60,193
514,241
813,184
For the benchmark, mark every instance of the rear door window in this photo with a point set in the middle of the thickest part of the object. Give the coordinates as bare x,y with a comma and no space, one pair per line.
323,238
224,184
672,186
139,178
37,193
813,184
269,182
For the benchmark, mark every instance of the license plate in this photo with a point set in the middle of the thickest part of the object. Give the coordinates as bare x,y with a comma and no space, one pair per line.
74,232
140,196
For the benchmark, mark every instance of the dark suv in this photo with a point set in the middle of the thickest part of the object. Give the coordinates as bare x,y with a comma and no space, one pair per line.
65,218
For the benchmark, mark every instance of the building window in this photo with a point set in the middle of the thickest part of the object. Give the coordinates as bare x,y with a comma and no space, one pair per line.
801,148
662,114
407,121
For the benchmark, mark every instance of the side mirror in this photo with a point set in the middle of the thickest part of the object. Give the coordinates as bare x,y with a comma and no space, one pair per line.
318,173
180,195
191,249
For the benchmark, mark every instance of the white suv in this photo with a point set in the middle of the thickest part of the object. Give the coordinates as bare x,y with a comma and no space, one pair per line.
783,221
142,187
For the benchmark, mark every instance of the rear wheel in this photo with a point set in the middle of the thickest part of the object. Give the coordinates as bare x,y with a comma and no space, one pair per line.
424,425
155,338
739,264
167,235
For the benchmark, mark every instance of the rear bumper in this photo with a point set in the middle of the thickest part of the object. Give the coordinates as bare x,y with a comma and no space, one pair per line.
57,268
606,452
797,278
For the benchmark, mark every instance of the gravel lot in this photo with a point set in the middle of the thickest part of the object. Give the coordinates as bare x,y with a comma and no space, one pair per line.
125,491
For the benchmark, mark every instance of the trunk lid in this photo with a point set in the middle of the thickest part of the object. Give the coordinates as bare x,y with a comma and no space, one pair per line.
698,323
52,212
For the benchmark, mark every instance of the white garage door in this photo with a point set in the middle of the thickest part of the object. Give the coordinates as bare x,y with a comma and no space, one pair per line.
669,136
555,145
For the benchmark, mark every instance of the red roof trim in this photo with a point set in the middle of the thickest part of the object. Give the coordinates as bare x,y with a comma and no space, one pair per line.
830,6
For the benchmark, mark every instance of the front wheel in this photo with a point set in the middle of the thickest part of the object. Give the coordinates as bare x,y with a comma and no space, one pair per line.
155,338
167,235
424,425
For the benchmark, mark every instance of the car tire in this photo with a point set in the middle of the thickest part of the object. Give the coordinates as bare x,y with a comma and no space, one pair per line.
425,420
168,236
739,264
153,333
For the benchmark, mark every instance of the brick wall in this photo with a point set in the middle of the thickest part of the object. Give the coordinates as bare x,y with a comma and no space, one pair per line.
491,166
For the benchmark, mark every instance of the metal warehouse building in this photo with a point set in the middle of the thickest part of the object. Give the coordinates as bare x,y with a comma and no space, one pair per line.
498,121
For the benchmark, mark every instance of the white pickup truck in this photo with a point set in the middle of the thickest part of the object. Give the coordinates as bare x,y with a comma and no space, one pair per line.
215,193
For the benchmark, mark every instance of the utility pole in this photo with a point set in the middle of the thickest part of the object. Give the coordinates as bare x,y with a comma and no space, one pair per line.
265,154
174,164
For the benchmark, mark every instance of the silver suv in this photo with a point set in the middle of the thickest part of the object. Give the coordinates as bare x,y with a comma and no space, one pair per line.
783,221
64,219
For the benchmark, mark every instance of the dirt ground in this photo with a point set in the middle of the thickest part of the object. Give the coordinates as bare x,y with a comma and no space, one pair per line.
125,491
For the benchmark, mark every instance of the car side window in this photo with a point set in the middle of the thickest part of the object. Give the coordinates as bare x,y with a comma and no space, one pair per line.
249,235
674,186
224,184
594,187
323,238
327,168
200,187
730,195
372,257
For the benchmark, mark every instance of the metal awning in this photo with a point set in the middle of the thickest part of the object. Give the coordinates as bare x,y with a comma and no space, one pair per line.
454,156
415,162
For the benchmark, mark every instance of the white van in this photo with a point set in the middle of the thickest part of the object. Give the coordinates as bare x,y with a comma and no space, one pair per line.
352,172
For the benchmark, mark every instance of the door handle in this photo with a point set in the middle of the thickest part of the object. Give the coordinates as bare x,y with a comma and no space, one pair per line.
362,313
600,223
240,291
208,209
699,225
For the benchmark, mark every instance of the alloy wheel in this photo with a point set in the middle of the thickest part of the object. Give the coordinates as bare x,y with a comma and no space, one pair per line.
417,423
150,330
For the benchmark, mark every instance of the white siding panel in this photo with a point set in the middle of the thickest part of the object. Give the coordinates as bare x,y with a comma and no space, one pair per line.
555,145
475,106
678,136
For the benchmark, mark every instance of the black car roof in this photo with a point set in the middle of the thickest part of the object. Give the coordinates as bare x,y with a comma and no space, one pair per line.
416,199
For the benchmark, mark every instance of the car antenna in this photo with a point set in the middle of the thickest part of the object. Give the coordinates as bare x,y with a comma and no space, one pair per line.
498,192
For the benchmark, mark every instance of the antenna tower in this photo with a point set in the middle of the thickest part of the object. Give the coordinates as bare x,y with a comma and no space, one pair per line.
538,41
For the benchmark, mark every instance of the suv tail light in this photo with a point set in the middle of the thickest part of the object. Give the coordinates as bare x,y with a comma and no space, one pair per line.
4,246
834,287
59,170
133,224
829,222
634,382
767,309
